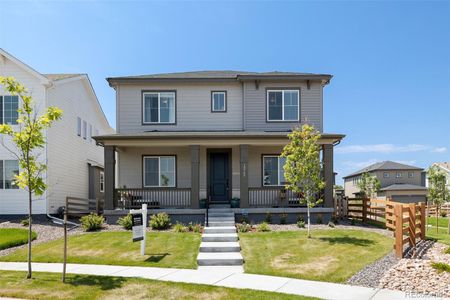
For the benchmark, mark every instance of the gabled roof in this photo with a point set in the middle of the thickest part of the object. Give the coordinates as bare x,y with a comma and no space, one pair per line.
444,165
384,166
221,75
56,77
403,187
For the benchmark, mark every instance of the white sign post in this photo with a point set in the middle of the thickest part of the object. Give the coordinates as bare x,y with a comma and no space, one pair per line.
138,234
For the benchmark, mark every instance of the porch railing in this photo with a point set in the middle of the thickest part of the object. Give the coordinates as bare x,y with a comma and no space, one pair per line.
272,197
154,197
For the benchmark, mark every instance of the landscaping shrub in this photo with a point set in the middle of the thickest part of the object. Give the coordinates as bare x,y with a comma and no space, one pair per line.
25,222
319,219
92,222
331,224
268,218
126,222
197,228
441,267
300,218
301,224
263,227
160,221
244,227
179,227
352,222
283,218
443,213
244,219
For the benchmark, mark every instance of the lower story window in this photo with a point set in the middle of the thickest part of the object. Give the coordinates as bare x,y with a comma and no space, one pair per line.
159,171
273,172
102,182
8,170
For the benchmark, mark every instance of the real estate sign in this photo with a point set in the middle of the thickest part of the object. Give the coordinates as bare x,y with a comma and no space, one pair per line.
138,229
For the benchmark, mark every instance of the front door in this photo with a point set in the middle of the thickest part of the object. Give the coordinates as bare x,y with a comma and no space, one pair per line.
219,176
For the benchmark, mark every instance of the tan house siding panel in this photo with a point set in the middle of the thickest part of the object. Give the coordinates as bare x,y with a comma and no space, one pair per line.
193,107
311,106
416,180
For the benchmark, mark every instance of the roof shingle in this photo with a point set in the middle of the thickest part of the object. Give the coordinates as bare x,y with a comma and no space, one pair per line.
385,166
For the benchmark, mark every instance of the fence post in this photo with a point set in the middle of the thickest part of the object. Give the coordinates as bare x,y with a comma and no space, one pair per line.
423,216
364,209
412,224
398,213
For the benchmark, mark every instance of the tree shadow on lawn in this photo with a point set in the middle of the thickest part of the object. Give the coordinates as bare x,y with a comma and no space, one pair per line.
157,257
105,283
347,240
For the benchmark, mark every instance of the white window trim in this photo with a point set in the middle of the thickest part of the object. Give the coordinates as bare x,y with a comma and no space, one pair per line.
213,109
159,171
282,105
278,171
102,180
159,107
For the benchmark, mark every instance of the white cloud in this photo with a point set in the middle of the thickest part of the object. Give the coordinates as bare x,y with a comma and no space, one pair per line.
387,148
440,150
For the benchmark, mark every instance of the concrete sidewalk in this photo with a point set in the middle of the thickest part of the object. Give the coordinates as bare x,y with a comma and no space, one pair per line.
223,277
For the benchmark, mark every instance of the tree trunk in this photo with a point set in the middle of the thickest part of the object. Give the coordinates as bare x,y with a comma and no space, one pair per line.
309,220
437,219
29,233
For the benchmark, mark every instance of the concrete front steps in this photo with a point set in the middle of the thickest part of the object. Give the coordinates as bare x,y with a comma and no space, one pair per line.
220,246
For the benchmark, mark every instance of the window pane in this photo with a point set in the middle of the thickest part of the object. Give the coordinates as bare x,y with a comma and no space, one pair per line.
291,105
11,169
11,105
151,171
151,107
90,132
1,115
275,105
84,129
1,174
78,126
282,161
167,103
167,171
219,101
270,171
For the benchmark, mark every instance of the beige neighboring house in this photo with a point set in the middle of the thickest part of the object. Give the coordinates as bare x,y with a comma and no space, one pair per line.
444,166
400,182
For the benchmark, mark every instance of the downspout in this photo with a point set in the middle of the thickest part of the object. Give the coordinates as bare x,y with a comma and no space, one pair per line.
243,106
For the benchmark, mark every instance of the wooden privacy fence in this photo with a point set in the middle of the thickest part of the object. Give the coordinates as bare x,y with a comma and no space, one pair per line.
431,209
77,207
409,225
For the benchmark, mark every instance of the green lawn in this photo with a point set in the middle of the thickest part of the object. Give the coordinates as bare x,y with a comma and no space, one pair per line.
442,236
164,249
49,286
10,237
443,222
332,255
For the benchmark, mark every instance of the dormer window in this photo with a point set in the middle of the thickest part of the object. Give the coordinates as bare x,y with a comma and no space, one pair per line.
283,105
158,107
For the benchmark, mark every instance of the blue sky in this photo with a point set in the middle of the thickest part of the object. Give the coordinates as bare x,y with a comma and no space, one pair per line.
391,60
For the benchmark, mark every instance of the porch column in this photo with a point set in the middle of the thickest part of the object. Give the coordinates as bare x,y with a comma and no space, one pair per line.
328,174
195,176
243,149
110,162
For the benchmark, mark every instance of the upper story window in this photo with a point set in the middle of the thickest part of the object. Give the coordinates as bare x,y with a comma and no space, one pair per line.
218,101
398,175
158,107
84,129
78,126
8,170
159,171
386,174
410,174
8,109
273,172
283,105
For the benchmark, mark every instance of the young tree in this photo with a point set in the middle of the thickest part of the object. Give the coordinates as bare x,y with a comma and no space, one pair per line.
438,191
28,137
302,169
369,185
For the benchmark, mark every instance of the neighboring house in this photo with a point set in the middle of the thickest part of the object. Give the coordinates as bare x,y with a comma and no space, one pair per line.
399,182
444,166
75,162
185,137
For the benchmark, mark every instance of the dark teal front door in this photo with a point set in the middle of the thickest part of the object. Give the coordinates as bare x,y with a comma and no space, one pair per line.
219,176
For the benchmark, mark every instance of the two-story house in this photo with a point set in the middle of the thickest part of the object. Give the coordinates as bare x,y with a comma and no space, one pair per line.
400,182
74,161
218,135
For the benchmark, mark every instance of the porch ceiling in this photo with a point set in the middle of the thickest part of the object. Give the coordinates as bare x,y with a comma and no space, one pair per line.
207,138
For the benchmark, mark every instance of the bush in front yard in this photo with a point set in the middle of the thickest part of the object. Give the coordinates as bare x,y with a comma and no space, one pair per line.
263,227
160,221
126,222
92,222
300,224
244,227
197,228
179,227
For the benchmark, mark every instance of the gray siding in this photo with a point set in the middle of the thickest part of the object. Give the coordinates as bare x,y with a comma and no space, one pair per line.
193,107
311,105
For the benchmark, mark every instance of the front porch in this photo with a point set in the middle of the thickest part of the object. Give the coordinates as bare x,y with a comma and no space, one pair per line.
179,170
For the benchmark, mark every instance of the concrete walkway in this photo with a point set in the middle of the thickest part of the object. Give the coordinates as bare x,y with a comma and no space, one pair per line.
223,277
